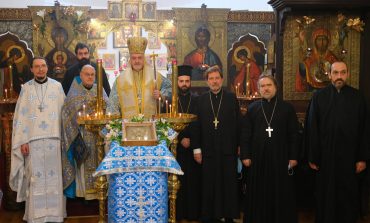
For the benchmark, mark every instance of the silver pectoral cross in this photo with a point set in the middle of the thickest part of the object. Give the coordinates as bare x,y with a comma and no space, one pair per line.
41,107
269,130
216,122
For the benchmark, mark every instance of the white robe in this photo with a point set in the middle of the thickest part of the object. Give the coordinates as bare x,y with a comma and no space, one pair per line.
37,178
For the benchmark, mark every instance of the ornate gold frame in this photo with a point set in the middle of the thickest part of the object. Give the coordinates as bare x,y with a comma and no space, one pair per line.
131,128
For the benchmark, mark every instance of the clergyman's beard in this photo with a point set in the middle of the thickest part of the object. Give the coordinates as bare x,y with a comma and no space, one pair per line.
83,62
40,78
184,91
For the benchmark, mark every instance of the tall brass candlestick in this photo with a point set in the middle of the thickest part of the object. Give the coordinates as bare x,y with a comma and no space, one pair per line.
174,88
99,100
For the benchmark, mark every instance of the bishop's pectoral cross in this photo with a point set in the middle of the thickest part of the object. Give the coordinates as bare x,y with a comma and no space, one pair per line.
269,130
41,107
216,122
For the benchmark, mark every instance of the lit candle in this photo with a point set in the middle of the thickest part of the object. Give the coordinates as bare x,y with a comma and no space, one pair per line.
247,91
236,91
166,106
170,110
145,138
108,114
79,114
84,109
238,88
6,93
159,105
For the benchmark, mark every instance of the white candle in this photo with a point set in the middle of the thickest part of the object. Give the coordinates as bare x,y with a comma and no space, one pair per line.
166,106
108,114
84,109
159,105
6,93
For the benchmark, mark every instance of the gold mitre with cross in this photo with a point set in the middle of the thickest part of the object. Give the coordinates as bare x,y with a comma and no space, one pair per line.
137,44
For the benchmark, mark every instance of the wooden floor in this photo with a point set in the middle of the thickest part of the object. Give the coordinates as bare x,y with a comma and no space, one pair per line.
16,217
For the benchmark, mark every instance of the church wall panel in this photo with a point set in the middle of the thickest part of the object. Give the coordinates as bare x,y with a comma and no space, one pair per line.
236,30
23,29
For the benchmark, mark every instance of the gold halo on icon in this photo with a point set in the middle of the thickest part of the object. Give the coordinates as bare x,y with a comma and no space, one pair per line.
20,49
241,48
56,54
195,27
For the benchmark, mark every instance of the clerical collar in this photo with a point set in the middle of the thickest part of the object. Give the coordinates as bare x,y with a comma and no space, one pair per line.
88,88
186,94
338,90
271,100
217,93
41,82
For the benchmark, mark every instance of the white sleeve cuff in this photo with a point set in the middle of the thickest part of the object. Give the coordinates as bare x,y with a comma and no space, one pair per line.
197,151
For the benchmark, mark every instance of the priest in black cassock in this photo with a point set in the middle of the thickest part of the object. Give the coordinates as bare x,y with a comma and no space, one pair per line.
338,146
216,142
269,150
188,197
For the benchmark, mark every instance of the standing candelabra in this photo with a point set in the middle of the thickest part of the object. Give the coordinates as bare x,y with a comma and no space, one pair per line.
95,123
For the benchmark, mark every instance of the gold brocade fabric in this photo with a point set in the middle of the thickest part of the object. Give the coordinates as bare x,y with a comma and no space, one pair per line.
138,80
134,97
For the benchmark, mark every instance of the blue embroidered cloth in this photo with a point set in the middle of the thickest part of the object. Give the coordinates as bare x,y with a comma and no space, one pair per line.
138,159
138,197
138,182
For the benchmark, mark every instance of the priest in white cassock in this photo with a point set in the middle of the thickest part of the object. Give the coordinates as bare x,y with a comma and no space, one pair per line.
79,152
137,90
36,169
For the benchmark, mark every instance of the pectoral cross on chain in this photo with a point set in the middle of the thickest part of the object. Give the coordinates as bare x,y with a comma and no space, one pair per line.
269,130
216,123
41,107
